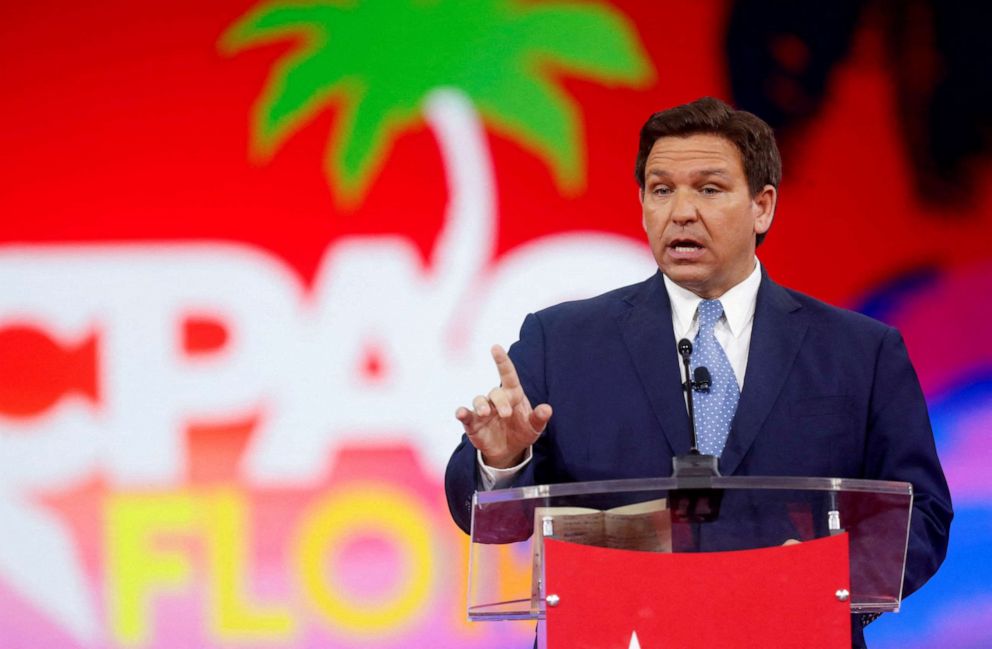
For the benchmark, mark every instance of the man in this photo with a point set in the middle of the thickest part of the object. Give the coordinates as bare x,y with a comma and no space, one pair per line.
591,390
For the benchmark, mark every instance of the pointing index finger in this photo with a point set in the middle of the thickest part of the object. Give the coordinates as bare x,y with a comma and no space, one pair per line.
507,372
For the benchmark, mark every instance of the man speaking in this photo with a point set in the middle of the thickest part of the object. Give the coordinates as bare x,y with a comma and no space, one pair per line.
592,389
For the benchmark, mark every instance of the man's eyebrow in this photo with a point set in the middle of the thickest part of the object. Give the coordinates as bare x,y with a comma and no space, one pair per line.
702,173
716,171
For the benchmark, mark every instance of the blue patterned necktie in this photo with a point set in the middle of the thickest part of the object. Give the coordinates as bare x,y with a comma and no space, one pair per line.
715,407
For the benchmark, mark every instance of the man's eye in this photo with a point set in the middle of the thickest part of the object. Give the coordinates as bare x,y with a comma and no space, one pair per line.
662,191
709,190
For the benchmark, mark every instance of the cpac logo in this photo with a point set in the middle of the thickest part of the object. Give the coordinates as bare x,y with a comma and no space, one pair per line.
290,356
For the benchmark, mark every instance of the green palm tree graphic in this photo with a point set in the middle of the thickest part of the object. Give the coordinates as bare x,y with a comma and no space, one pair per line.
379,59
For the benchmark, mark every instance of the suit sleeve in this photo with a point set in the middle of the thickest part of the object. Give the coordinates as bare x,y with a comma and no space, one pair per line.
461,478
901,447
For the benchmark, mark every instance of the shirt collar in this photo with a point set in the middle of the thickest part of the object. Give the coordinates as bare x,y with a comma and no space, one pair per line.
738,303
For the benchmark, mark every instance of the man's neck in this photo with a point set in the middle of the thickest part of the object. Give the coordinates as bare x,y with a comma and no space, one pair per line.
672,284
739,302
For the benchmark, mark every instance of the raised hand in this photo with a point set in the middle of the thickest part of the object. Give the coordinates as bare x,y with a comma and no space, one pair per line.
502,424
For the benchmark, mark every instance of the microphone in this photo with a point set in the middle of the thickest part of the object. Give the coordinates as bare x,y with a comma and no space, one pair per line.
696,501
685,351
701,379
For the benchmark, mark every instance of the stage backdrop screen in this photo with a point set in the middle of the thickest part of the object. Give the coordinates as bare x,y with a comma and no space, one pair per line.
253,256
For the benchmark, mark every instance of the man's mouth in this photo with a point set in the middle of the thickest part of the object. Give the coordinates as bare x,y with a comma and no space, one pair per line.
685,245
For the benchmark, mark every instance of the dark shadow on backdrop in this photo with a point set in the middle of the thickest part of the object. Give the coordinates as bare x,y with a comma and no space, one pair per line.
781,54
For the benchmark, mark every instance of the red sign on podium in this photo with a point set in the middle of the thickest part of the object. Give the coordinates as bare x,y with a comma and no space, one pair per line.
771,597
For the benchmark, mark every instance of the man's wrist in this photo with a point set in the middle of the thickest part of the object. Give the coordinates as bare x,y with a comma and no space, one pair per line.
504,463
495,478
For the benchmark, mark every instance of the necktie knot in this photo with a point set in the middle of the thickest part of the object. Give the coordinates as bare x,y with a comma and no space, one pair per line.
709,313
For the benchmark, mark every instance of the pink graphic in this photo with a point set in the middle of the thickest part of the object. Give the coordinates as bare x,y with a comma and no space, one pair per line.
967,461
947,328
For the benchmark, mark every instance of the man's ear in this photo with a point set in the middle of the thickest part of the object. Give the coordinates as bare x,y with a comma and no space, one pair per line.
640,198
764,208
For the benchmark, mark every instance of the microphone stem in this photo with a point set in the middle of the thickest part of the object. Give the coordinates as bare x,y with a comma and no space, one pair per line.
693,450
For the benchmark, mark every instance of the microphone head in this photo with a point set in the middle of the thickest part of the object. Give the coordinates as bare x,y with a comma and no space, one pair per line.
685,348
701,378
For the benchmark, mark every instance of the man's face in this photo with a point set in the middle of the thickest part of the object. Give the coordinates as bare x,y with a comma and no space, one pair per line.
699,215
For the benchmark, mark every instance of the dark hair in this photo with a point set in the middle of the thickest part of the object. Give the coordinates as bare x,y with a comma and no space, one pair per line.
753,138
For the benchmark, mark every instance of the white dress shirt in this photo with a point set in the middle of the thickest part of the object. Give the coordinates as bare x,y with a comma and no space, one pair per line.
733,329
733,332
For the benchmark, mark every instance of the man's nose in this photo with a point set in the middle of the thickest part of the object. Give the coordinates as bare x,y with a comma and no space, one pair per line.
683,208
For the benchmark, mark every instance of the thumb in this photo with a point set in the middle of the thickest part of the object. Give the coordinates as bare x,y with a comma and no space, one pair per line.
539,417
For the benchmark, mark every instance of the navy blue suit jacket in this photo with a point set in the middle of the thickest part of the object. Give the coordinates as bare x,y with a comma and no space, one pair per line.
827,392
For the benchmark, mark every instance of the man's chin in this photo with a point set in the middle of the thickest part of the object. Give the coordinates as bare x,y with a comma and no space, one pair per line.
701,283
688,276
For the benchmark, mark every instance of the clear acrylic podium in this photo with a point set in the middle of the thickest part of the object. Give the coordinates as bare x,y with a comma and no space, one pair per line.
511,525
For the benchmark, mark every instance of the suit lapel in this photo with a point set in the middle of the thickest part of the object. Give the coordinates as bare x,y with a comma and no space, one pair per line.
777,334
647,332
